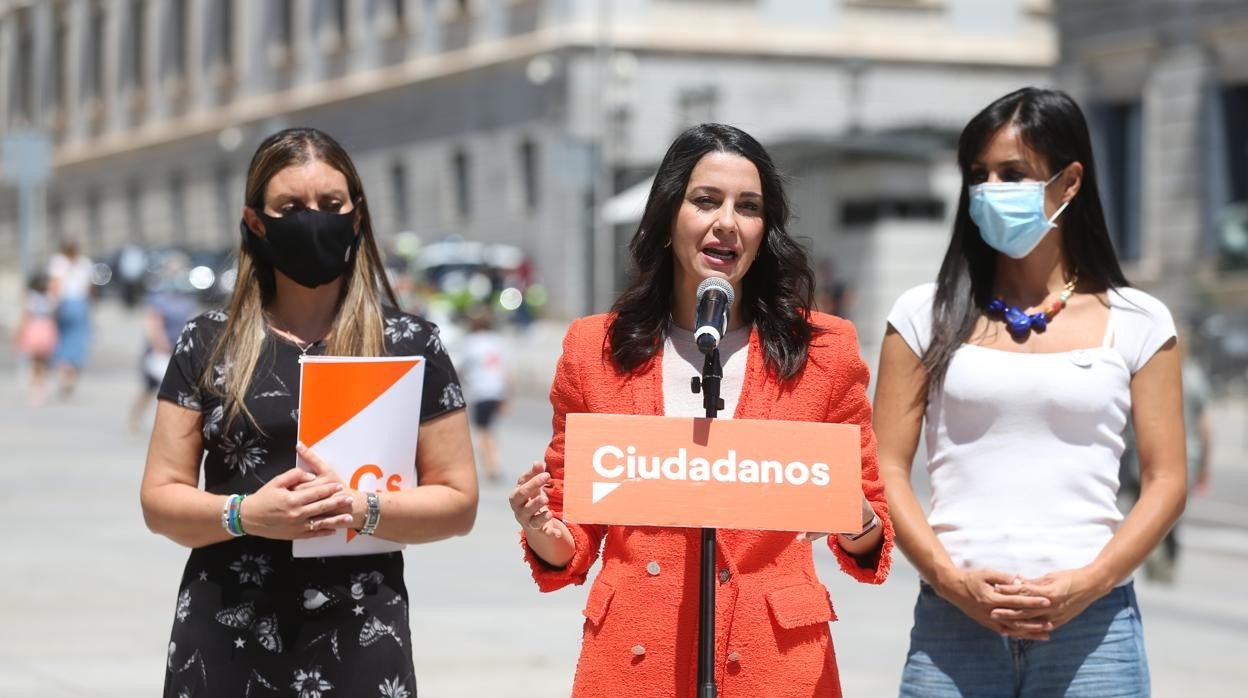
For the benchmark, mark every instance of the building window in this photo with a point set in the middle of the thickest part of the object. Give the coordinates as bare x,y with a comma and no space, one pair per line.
177,36
462,178
227,211
22,87
22,83
340,18
1235,117
1121,136
225,33
529,173
284,21
523,17
134,209
95,52
95,222
868,211
696,105
398,193
177,206
897,4
138,43
56,218
60,43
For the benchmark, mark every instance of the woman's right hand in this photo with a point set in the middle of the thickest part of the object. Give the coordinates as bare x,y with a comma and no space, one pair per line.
547,536
976,592
279,511
529,504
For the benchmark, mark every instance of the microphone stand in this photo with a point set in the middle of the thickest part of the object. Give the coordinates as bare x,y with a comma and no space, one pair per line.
708,385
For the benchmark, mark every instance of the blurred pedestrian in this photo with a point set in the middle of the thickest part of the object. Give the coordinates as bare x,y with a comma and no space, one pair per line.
131,273
483,356
166,310
832,294
1025,359
69,281
250,617
717,209
36,335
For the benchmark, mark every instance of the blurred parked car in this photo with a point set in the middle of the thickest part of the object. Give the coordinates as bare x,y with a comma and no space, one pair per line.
466,274
133,271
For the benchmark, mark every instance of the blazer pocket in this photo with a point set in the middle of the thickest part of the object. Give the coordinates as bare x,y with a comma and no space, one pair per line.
599,600
803,604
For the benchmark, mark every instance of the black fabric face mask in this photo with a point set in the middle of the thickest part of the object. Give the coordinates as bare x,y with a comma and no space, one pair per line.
311,247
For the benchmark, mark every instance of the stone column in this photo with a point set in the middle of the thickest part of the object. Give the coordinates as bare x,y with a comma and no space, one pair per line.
1171,168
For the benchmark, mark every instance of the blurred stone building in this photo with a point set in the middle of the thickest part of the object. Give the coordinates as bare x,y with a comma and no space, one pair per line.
1165,85
494,120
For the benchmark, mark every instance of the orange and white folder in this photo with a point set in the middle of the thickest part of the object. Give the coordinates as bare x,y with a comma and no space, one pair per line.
362,416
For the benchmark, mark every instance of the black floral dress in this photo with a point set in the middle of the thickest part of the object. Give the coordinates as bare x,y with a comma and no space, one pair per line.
251,620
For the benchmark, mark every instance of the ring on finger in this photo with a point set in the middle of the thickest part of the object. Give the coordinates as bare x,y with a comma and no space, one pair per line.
311,524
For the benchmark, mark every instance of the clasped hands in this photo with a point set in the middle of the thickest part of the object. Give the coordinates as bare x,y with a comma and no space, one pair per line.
298,504
1028,609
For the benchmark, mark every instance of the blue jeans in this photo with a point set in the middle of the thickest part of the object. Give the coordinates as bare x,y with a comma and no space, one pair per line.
1098,654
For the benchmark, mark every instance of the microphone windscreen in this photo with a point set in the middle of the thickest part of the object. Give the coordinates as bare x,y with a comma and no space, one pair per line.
714,282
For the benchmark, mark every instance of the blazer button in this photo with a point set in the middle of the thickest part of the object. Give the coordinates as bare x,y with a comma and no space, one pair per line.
639,650
653,568
734,657
724,575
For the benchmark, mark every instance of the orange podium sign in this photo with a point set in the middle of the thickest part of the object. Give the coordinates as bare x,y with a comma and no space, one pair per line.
712,473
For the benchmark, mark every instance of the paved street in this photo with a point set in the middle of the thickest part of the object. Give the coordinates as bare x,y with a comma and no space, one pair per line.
87,597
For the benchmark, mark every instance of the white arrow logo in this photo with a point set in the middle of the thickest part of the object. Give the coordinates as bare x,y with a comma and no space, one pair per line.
602,489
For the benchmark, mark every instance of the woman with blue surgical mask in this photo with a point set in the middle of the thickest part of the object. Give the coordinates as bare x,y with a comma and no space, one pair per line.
1021,364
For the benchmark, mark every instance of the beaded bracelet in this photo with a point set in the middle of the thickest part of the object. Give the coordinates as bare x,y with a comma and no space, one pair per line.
232,515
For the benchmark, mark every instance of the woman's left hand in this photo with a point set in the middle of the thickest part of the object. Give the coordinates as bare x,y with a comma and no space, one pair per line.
326,473
811,536
1069,593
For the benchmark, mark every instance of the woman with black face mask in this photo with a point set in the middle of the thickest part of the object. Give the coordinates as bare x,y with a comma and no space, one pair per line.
310,282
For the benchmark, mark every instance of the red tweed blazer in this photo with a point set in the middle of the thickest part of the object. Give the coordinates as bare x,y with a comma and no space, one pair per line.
772,634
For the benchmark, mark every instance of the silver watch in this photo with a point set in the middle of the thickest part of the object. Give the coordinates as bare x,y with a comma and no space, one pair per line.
372,514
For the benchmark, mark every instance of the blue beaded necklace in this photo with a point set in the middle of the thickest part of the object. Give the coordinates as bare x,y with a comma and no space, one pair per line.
1020,323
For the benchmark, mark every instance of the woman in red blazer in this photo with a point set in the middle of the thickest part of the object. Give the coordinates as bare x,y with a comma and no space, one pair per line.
717,208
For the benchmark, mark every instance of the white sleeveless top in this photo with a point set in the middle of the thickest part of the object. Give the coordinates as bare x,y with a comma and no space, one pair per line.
1023,449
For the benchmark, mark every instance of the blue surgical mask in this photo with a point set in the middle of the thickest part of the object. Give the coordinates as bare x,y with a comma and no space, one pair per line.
1010,215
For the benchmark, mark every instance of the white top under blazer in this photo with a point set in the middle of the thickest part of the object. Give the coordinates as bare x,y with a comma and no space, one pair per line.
1023,448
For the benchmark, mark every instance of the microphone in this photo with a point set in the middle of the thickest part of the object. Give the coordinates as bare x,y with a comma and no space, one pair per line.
710,320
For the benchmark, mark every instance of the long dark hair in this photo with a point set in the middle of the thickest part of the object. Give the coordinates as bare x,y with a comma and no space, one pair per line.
777,289
1051,124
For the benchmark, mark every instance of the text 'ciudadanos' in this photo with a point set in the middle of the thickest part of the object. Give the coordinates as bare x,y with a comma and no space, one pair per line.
740,473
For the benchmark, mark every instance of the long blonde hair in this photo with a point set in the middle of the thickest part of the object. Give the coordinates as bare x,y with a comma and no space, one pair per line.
357,329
